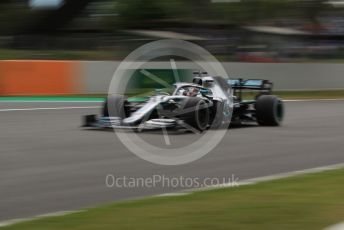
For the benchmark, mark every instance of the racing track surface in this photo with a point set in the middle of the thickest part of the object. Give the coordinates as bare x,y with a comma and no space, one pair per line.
48,164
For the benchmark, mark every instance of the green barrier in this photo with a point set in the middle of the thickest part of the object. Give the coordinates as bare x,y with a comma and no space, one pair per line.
139,80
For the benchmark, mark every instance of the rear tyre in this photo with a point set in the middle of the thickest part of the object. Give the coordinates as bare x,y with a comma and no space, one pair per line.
197,113
114,106
269,110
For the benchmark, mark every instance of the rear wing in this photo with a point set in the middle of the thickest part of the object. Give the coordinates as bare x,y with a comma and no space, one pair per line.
250,84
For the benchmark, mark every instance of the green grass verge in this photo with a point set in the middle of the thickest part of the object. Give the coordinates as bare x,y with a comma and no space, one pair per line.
311,201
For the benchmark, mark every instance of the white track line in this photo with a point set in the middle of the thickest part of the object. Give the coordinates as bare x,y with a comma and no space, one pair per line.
339,226
172,194
278,176
190,191
52,214
51,108
262,179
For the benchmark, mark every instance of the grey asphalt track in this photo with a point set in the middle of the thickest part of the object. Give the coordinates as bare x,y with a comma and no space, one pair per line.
49,164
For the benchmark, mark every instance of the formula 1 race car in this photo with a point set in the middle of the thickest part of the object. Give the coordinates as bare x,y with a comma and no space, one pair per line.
207,102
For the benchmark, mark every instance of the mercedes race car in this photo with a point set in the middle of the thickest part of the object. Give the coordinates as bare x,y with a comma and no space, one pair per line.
207,102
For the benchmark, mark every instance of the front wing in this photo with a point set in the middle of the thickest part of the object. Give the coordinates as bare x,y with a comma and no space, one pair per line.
92,121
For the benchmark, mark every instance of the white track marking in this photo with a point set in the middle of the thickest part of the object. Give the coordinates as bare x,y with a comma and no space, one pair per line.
13,221
50,108
258,180
282,175
173,194
190,191
53,214
60,213
339,226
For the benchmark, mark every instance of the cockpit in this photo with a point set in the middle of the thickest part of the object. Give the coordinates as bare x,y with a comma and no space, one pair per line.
193,91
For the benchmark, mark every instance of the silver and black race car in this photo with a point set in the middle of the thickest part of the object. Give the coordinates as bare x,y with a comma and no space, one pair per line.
207,102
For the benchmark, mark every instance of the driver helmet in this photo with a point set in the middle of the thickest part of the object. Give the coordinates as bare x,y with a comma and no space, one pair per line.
193,92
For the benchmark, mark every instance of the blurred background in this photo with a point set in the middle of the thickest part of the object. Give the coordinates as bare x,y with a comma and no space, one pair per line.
232,30
58,58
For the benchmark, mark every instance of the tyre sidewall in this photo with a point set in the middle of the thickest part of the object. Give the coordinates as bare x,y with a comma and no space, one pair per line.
268,108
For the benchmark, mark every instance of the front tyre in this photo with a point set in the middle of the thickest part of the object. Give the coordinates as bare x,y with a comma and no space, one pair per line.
269,110
195,113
